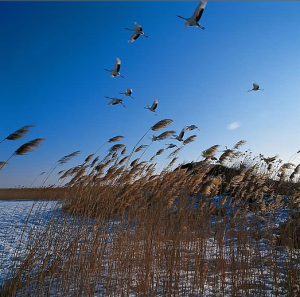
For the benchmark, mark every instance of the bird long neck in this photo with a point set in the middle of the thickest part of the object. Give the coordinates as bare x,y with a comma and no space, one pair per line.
182,17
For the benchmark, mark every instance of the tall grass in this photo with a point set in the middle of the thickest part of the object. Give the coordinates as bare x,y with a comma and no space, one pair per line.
206,228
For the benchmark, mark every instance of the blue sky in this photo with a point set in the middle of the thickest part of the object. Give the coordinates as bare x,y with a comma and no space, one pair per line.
52,56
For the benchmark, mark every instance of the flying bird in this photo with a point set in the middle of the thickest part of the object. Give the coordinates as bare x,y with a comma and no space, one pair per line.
137,31
153,107
171,145
255,88
180,136
128,93
116,71
114,101
193,21
192,127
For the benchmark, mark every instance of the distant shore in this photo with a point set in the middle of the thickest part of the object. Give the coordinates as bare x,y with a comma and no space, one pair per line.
32,194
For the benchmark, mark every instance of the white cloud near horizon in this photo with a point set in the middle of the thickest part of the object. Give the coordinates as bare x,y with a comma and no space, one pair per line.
234,125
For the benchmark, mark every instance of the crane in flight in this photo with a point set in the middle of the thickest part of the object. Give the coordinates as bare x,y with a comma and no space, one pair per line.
192,127
114,101
193,21
180,136
116,71
153,106
255,88
137,32
128,93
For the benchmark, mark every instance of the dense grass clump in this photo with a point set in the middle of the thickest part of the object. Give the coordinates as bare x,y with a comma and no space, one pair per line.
204,228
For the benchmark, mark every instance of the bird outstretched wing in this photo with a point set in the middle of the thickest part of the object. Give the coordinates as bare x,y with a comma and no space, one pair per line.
138,26
199,11
154,105
134,37
117,65
181,133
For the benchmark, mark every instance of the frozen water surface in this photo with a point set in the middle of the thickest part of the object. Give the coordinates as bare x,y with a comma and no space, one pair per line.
17,219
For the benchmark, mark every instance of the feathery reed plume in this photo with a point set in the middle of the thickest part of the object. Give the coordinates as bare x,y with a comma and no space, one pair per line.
116,138
140,148
226,154
61,171
124,150
89,158
189,139
123,160
94,161
67,158
79,174
116,147
161,124
154,138
211,186
175,152
297,169
286,166
210,152
172,161
237,179
18,133
239,144
24,149
28,146
152,158
164,135
134,162
270,159
60,162
159,152
2,164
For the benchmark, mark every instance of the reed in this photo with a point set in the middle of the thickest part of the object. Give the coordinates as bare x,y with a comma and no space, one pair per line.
201,229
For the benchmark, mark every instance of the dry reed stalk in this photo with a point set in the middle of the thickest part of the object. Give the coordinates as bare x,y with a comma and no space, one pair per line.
141,147
67,158
116,147
2,164
28,146
226,154
94,161
239,144
270,159
164,135
24,149
189,139
161,124
174,153
134,162
89,158
122,161
159,152
116,138
18,133
210,152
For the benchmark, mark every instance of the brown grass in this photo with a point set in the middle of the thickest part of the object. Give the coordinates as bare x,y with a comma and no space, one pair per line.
132,230
33,194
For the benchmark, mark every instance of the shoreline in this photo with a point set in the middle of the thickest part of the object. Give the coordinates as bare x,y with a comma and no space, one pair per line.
32,194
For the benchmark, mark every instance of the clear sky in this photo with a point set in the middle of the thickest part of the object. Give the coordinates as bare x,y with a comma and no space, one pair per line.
52,56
